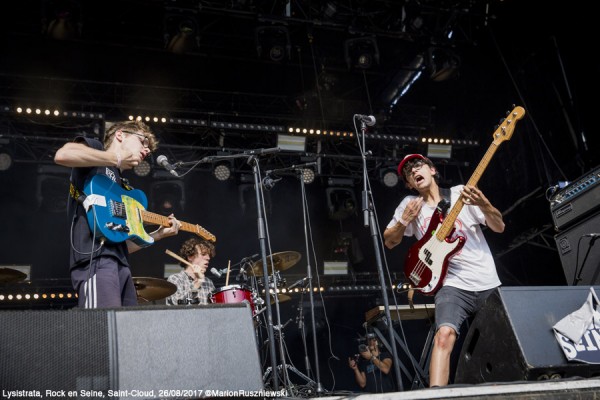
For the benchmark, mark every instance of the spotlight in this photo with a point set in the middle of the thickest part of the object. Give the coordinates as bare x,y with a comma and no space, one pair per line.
361,52
222,171
167,197
274,39
5,161
389,177
142,169
308,175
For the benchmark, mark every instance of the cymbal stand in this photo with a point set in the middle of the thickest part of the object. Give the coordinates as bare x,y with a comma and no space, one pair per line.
319,387
302,327
283,368
370,221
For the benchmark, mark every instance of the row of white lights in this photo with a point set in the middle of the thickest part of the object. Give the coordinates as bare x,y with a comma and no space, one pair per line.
311,131
37,296
331,289
56,113
164,120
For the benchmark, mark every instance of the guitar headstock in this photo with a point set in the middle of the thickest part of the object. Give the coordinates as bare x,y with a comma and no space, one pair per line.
507,127
204,234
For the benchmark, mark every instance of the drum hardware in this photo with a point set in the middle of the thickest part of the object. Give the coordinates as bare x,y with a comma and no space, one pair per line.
9,275
281,282
149,289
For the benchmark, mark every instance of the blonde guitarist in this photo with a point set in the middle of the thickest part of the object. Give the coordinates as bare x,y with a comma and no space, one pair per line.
99,267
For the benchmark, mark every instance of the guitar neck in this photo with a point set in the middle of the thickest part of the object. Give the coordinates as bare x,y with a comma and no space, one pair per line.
448,223
157,219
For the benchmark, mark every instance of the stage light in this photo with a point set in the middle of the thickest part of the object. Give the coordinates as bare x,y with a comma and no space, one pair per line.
389,177
308,175
143,168
181,32
362,53
167,197
5,161
274,38
222,171
443,64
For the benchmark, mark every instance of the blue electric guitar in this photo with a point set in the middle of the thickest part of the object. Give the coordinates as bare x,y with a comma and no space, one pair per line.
118,214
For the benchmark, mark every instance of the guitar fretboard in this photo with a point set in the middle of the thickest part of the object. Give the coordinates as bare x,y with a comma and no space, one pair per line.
157,219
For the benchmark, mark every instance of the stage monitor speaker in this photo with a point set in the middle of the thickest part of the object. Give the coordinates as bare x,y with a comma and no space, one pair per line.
143,352
511,338
579,252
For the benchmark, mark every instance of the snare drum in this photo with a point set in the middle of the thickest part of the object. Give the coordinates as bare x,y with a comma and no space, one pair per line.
232,294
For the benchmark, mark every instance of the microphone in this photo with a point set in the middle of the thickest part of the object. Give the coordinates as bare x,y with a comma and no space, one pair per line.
217,272
298,283
369,120
293,167
164,162
268,182
262,151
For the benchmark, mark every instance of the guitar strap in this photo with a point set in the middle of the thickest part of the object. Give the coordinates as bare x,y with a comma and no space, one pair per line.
444,204
80,197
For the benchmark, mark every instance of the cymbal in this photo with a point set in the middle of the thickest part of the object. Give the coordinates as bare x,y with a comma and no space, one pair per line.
153,288
8,275
281,297
282,261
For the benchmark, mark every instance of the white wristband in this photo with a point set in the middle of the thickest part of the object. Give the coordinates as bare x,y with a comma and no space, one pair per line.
403,222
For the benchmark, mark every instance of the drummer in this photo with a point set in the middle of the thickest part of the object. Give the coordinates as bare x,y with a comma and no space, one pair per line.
193,286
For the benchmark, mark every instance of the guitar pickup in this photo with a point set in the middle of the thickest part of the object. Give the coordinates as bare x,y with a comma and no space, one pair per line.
415,278
117,227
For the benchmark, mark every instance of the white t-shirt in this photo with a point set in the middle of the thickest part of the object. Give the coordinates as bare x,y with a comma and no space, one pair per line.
472,267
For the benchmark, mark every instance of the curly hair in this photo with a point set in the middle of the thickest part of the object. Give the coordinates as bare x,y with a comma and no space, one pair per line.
131,126
190,248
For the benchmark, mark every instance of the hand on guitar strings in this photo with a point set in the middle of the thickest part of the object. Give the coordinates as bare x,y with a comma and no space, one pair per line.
473,197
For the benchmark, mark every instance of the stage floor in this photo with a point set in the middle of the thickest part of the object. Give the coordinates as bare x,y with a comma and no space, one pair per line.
562,389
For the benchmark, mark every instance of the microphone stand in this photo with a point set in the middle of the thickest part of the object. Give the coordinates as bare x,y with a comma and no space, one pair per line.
310,286
253,160
369,221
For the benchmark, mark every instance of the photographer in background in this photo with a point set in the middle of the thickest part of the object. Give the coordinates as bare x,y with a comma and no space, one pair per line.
372,367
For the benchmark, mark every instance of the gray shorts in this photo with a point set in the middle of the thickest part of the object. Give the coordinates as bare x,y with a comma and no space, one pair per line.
453,306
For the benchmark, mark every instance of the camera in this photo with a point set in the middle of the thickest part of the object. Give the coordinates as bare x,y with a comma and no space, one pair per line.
356,358
362,348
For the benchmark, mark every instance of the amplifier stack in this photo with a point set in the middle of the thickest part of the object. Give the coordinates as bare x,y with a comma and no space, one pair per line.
576,215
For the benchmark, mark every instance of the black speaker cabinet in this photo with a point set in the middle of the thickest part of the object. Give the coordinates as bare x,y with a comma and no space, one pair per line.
138,352
511,337
574,247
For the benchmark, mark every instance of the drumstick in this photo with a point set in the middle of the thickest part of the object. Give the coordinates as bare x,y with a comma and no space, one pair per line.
227,278
169,252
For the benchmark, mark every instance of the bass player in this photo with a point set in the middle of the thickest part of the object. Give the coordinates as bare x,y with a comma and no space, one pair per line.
471,273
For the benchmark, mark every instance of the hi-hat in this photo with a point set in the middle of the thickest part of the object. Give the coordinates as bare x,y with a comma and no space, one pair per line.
281,297
150,289
281,261
8,275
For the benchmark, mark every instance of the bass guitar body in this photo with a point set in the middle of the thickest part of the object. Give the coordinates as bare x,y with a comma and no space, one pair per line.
426,263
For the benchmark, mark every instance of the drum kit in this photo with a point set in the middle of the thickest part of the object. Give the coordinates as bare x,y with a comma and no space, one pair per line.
151,289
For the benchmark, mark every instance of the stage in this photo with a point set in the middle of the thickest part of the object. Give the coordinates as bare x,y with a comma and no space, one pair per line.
555,389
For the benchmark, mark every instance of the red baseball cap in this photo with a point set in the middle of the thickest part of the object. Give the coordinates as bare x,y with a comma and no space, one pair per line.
406,159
